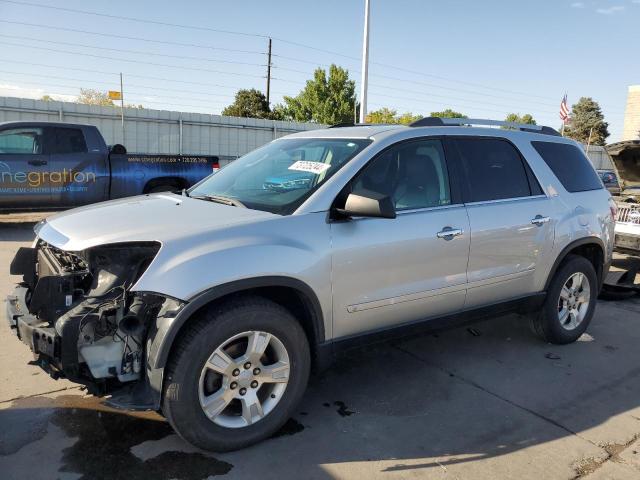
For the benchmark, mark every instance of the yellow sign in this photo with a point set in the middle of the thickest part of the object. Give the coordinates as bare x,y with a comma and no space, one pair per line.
114,95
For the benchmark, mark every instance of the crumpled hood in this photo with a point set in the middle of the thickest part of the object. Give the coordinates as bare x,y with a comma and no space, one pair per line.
626,157
157,217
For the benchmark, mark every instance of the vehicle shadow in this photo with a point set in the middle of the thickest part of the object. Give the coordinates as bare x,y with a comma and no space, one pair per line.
446,401
16,231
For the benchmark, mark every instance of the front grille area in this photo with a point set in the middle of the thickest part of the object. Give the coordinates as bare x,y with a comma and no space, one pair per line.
629,214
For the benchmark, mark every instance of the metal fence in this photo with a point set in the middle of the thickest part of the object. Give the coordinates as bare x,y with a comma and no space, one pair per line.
158,131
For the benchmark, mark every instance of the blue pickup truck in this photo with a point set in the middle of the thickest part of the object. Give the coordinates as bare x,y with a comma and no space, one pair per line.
47,166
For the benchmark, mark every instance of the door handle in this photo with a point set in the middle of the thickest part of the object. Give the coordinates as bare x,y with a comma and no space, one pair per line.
448,233
539,220
37,163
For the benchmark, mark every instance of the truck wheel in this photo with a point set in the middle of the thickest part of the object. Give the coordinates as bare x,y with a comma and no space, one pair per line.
570,303
163,188
236,375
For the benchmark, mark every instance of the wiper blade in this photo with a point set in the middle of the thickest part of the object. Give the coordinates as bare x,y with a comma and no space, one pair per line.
222,199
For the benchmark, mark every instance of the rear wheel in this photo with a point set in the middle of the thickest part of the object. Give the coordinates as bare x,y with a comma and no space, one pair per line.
237,375
570,303
163,188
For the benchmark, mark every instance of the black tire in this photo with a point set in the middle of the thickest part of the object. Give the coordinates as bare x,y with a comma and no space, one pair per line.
545,323
181,404
163,188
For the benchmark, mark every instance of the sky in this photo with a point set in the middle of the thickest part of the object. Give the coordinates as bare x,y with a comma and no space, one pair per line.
483,58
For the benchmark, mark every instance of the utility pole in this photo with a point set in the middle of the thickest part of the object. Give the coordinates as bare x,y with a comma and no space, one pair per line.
365,64
589,141
269,73
122,107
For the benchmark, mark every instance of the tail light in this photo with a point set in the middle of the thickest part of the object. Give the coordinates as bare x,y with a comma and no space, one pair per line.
613,208
215,166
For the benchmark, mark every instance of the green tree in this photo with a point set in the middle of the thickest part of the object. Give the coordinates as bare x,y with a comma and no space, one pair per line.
448,113
587,119
249,103
526,119
325,99
47,98
388,115
89,96
407,118
383,115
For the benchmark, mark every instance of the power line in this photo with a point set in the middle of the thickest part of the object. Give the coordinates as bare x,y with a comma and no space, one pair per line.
134,19
58,67
177,25
137,52
196,27
126,37
148,87
222,72
231,96
139,95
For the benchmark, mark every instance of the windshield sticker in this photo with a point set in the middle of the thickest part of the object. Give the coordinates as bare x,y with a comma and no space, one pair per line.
311,167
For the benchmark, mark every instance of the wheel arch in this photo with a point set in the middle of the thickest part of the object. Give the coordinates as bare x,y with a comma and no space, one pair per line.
591,248
178,182
291,293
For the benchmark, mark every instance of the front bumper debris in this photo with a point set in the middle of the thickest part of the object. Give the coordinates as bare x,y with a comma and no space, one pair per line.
42,339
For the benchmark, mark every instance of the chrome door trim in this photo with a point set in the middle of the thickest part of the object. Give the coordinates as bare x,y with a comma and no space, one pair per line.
502,278
429,209
358,307
505,200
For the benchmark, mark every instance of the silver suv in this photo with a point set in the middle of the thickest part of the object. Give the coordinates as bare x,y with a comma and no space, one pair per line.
212,306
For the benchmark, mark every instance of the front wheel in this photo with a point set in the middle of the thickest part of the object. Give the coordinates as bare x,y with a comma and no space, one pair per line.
570,303
237,375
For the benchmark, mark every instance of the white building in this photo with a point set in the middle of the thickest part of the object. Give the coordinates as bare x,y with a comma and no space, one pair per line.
632,114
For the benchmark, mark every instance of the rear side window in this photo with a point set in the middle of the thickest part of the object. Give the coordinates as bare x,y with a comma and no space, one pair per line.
494,169
67,140
570,165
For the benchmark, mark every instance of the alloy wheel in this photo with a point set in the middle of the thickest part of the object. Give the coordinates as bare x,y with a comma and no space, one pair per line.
574,300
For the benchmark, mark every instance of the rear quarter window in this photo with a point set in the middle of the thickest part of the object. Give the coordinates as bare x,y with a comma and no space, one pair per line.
570,165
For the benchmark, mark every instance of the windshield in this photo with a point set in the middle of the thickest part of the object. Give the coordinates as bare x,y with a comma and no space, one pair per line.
281,175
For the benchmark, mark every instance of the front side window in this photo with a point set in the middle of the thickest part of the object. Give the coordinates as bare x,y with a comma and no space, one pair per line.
494,169
281,175
21,141
67,140
414,174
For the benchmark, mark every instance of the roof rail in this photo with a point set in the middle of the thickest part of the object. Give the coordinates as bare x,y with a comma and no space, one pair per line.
351,124
444,122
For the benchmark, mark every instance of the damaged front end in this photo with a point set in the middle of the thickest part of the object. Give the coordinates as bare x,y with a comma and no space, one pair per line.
77,313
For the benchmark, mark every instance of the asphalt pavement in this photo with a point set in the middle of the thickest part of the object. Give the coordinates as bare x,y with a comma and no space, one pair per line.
482,402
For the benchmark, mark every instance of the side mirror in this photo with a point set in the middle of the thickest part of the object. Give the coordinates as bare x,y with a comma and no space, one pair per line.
367,203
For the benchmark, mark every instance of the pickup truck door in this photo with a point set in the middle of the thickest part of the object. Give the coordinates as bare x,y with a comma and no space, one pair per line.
23,168
386,272
78,168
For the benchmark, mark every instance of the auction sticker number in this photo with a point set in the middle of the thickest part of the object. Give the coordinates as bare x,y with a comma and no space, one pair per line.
311,167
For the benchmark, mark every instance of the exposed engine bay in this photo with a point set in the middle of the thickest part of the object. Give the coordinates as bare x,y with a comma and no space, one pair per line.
82,320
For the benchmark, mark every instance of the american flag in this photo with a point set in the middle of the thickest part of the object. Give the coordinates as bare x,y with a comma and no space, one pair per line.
564,110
